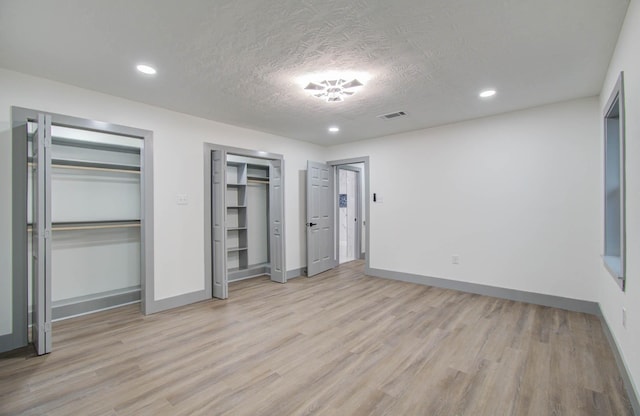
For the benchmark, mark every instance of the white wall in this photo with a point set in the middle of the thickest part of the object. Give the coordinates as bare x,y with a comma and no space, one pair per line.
515,196
612,299
178,169
91,262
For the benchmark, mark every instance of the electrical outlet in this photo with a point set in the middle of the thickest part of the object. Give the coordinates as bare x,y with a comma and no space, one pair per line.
455,259
624,317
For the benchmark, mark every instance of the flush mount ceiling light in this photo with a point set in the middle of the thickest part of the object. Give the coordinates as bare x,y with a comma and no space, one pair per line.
333,90
146,69
487,93
333,86
334,129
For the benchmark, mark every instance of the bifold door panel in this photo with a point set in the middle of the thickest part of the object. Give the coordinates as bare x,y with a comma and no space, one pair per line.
218,222
41,237
276,222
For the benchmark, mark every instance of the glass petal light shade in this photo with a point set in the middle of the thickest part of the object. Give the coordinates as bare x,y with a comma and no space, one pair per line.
333,90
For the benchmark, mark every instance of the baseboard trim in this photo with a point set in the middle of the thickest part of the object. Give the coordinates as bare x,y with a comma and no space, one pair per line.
10,342
632,392
292,274
251,271
94,303
193,297
569,304
177,301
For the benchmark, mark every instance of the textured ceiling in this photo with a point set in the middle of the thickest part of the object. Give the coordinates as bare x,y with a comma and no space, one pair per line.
238,61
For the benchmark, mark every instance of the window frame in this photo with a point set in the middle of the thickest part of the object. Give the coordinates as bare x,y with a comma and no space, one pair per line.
615,263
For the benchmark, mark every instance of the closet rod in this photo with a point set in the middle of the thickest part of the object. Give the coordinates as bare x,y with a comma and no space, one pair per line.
95,227
95,168
99,169
257,181
98,225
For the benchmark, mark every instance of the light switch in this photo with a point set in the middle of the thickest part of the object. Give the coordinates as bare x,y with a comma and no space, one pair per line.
182,199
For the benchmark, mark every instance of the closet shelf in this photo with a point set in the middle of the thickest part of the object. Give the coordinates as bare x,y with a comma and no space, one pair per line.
95,166
255,180
236,206
236,184
236,228
231,250
63,141
90,225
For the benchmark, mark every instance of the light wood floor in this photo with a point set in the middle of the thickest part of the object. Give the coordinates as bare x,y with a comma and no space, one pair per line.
340,343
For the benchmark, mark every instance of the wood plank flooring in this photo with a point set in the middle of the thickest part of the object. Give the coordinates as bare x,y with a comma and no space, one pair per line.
340,343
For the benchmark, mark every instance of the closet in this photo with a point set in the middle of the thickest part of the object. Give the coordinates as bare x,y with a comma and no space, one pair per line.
95,220
245,217
84,219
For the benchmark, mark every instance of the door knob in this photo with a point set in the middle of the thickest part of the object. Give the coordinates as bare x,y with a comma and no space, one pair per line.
311,224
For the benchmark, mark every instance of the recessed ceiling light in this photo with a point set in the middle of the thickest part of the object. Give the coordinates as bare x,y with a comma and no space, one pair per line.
334,129
146,69
487,93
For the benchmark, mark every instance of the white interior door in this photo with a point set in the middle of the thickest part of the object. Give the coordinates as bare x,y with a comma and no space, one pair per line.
276,222
41,237
320,224
218,223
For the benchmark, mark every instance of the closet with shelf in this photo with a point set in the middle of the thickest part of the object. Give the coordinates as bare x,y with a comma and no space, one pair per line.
244,216
95,219
247,217
81,211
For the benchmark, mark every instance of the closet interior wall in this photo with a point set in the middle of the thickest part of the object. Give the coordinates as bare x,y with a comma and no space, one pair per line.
95,212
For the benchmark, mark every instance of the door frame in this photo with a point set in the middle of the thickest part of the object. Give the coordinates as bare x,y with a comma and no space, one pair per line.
359,193
19,118
209,207
367,202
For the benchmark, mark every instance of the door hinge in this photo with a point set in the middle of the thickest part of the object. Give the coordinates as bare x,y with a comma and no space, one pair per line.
47,234
47,140
47,327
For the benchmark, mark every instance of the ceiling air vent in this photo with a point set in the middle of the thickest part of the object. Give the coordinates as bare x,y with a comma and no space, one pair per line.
392,115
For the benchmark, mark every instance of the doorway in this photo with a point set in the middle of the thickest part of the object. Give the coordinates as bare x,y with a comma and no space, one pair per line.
323,213
349,215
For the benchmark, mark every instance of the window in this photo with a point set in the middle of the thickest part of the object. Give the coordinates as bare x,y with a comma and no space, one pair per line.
614,218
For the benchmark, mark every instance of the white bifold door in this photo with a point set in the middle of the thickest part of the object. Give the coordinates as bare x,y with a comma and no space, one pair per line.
41,237
218,223
276,222
320,221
